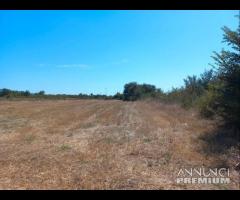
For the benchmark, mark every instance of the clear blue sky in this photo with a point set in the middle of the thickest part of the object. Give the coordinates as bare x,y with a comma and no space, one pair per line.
100,51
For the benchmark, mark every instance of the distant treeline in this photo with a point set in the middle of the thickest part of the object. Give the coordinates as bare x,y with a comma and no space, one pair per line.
12,94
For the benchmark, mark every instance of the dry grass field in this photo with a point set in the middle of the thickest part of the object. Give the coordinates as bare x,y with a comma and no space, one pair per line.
97,144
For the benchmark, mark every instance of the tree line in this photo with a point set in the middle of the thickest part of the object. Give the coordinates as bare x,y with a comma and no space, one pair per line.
14,94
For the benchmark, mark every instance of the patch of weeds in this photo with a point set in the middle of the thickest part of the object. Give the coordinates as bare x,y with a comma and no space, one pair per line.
64,147
87,125
161,141
167,158
149,163
146,140
219,140
110,140
83,162
182,186
221,186
30,138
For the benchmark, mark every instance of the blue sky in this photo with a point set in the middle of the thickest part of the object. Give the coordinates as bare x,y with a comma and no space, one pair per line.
99,51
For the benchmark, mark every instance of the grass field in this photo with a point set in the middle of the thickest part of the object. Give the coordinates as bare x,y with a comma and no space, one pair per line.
97,144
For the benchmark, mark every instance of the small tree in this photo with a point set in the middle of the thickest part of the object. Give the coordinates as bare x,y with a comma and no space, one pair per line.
118,96
41,93
228,63
131,92
224,93
4,92
26,93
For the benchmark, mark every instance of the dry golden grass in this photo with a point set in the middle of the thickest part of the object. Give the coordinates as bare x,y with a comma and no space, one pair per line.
97,144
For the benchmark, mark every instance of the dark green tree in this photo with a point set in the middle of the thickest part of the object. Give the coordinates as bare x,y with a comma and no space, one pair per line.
41,93
206,78
118,96
4,92
131,92
227,86
26,93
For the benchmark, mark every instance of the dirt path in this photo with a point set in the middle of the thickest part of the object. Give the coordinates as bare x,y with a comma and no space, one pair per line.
96,144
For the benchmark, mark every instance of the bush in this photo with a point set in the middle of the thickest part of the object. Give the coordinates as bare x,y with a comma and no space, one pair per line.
206,104
133,91
118,96
41,93
4,92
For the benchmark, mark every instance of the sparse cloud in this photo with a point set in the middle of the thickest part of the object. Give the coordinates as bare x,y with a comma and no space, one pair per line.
41,65
81,66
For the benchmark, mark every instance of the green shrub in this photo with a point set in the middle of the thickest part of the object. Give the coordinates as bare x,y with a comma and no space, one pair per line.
205,104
